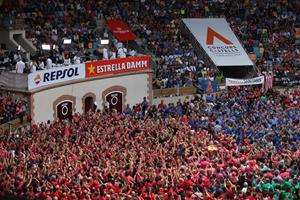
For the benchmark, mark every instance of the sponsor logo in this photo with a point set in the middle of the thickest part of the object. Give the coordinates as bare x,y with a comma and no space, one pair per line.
91,69
120,31
56,75
120,66
252,81
37,79
116,66
60,74
224,48
211,35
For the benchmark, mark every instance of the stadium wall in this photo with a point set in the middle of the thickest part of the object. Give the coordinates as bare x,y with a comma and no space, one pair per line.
133,86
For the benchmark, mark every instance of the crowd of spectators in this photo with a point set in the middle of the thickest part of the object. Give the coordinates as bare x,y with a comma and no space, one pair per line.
52,23
238,144
266,29
11,108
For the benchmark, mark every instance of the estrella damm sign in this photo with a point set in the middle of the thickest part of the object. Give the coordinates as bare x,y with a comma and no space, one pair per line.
117,66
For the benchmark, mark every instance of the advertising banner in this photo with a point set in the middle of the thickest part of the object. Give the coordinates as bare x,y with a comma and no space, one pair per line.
240,82
120,30
218,41
104,67
289,80
55,75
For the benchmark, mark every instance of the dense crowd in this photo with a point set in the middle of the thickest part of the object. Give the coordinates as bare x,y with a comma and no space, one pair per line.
51,23
80,21
240,144
266,29
179,61
11,108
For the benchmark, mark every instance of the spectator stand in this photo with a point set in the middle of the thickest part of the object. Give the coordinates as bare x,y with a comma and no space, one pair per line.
13,110
187,150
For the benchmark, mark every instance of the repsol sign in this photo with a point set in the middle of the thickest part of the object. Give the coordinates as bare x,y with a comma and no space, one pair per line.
60,74
55,75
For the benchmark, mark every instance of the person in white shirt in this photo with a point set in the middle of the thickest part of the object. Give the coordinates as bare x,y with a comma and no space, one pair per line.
119,45
132,53
105,54
113,55
76,60
106,105
122,52
20,66
67,61
17,57
41,65
49,63
33,66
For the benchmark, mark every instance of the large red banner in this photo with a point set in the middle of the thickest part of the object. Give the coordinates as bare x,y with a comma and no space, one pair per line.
120,30
115,66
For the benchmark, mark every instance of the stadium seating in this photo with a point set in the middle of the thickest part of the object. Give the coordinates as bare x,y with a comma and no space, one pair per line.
178,61
241,143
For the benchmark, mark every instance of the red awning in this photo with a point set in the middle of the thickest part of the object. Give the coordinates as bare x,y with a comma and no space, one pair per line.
120,30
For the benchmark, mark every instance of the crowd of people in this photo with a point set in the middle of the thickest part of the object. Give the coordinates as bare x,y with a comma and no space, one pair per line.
51,23
80,21
11,108
238,144
266,29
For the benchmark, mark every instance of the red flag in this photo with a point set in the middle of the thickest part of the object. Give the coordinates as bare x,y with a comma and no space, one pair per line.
120,30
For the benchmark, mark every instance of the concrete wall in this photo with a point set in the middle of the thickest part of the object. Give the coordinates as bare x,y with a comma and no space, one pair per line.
5,39
13,38
43,107
20,37
173,100
13,80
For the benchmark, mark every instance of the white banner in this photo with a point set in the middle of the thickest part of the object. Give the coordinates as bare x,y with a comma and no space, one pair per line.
218,41
240,82
55,75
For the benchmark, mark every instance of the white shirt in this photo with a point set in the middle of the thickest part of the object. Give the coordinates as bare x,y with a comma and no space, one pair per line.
122,52
67,61
119,45
16,57
132,53
6,60
113,55
49,63
106,104
105,54
76,60
41,65
32,67
20,66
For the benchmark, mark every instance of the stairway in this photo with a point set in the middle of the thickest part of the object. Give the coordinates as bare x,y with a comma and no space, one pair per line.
15,38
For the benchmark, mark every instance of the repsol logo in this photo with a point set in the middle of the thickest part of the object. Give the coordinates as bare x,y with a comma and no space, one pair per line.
60,74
